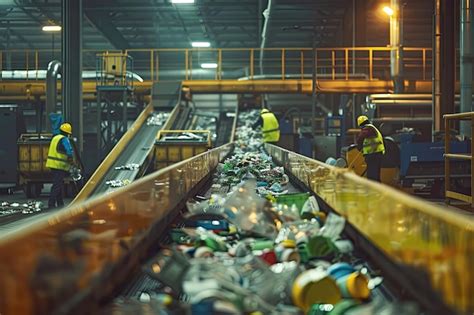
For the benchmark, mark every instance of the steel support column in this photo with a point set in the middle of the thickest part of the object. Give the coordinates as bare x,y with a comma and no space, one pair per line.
72,66
443,62
396,43
467,54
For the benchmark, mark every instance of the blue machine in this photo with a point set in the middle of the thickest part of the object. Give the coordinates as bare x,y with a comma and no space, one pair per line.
426,152
286,127
305,147
335,126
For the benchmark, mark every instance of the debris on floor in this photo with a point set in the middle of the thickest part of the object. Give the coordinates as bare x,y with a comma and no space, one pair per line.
8,208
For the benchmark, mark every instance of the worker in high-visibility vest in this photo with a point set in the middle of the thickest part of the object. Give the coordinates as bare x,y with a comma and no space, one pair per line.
370,143
270,126
60,160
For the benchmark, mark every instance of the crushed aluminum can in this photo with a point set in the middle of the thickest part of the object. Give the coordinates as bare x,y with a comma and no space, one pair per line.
29,207
157,119
128,167
116,183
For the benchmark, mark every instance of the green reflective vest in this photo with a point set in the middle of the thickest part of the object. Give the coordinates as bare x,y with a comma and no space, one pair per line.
57,160
270,128
375,144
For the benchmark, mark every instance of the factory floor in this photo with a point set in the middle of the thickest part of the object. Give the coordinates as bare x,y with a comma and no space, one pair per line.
11,217
20,197
460,206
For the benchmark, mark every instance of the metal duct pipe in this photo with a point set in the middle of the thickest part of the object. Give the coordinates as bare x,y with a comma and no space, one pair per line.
466,51
402,102
267,13
54,70
372,97
399,96
436,68
403,119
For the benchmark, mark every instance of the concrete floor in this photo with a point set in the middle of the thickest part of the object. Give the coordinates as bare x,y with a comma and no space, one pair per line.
20,197
11,221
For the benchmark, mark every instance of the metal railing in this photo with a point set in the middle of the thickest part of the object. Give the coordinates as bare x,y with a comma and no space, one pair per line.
449,193
363,63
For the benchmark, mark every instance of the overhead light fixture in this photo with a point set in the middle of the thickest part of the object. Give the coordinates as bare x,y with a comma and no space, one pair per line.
182,1
51,28
210,65
388,10
201,44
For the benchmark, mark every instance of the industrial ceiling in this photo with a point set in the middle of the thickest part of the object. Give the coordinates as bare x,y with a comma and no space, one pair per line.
121,24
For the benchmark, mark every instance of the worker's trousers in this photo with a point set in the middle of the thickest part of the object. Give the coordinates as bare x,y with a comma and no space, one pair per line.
56,196
374,165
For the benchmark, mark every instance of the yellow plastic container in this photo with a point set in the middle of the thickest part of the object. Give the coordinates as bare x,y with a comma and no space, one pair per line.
171,152
32,154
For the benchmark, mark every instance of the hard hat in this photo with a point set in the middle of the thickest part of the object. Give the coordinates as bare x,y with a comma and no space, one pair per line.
362,119
66,127
264,111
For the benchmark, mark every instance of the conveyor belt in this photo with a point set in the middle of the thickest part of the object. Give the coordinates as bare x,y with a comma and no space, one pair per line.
136,152
225,129
112,233
143,283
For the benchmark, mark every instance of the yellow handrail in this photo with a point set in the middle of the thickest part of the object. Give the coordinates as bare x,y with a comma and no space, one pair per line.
371,63
448,118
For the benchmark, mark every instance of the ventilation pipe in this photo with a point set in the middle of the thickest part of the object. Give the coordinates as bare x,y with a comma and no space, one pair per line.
466,62
267,14
54,70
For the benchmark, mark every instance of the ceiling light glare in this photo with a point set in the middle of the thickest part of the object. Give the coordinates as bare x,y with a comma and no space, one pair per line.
182,1
51,28
388,10
209,65
201,44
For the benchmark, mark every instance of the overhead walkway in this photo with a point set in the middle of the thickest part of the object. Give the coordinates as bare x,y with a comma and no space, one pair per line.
287,70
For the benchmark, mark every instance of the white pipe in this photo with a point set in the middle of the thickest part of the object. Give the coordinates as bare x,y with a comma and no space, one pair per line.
41,74
375,97
267,15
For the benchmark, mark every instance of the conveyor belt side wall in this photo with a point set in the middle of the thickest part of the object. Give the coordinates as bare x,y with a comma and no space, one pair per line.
407,229
61,259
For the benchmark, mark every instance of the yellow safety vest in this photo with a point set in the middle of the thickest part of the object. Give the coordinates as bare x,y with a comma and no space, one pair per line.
374,144
271,128
57,160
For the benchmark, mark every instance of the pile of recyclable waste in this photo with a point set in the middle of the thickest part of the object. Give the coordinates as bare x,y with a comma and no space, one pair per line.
157,119
185,136
8,208
245,247
207,123
249,139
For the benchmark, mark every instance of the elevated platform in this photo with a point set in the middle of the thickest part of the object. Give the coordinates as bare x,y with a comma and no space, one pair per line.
30,90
